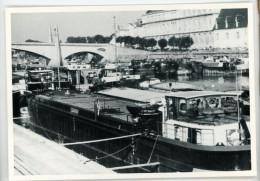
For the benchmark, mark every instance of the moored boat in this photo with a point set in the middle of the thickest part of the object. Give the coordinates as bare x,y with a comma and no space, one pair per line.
205,126
195,129
183,72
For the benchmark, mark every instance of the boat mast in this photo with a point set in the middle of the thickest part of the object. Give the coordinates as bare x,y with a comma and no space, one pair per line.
59,58
238,109
115,46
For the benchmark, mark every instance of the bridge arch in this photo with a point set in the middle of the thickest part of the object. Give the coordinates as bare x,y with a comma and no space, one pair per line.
82,52
95,49
48,59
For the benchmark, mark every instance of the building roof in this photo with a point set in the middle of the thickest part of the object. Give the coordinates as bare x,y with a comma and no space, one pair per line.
230,16
193,94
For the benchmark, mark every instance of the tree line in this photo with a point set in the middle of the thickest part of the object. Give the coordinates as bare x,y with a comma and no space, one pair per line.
89,39
181,42
137,42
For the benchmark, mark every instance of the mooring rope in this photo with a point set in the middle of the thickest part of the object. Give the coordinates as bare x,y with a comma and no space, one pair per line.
111,154
101,140
153,149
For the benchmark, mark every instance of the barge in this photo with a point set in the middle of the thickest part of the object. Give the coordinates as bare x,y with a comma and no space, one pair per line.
207,137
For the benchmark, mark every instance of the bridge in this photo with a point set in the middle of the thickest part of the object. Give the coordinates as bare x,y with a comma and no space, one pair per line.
56,52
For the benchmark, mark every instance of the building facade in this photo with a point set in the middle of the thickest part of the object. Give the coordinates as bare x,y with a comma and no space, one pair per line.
230,30
207,27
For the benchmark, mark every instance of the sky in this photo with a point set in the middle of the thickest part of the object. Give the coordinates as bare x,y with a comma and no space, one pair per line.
35,26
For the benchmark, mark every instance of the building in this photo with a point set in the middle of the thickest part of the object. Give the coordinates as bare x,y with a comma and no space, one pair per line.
207,27
230,30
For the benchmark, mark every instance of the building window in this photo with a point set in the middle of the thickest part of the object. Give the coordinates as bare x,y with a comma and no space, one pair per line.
217,36
237,35
227,36
189,12
202,40
207,40
216,25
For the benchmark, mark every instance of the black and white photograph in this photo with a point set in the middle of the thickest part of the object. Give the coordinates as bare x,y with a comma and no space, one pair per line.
136,91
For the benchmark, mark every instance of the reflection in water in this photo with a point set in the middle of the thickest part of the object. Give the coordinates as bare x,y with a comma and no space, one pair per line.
215,83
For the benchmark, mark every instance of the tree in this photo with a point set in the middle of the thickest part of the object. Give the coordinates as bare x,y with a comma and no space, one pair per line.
137,41
90,39
99,39
186,42
143,42
162,43
151,42
178,43
107,39
78,39
120,39
172,41
129,40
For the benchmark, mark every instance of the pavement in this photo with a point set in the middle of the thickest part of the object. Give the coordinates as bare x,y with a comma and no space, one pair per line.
36,155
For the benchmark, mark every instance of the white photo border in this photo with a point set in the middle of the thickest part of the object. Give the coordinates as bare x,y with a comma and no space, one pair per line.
249,5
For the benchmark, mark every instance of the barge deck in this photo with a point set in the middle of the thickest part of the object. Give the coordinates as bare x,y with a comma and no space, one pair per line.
111,102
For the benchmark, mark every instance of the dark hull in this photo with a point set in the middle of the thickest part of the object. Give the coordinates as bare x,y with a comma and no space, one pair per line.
173,155
16,104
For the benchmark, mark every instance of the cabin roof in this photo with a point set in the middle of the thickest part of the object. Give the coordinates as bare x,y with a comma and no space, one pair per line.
193,94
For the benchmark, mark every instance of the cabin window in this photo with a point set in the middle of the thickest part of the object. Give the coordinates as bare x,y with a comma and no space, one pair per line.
213,102
172,108
178,132
194,136
182,107
207,137
198,135
192,108
229,104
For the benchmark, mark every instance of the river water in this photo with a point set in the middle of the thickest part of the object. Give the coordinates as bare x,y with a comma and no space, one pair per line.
213,82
